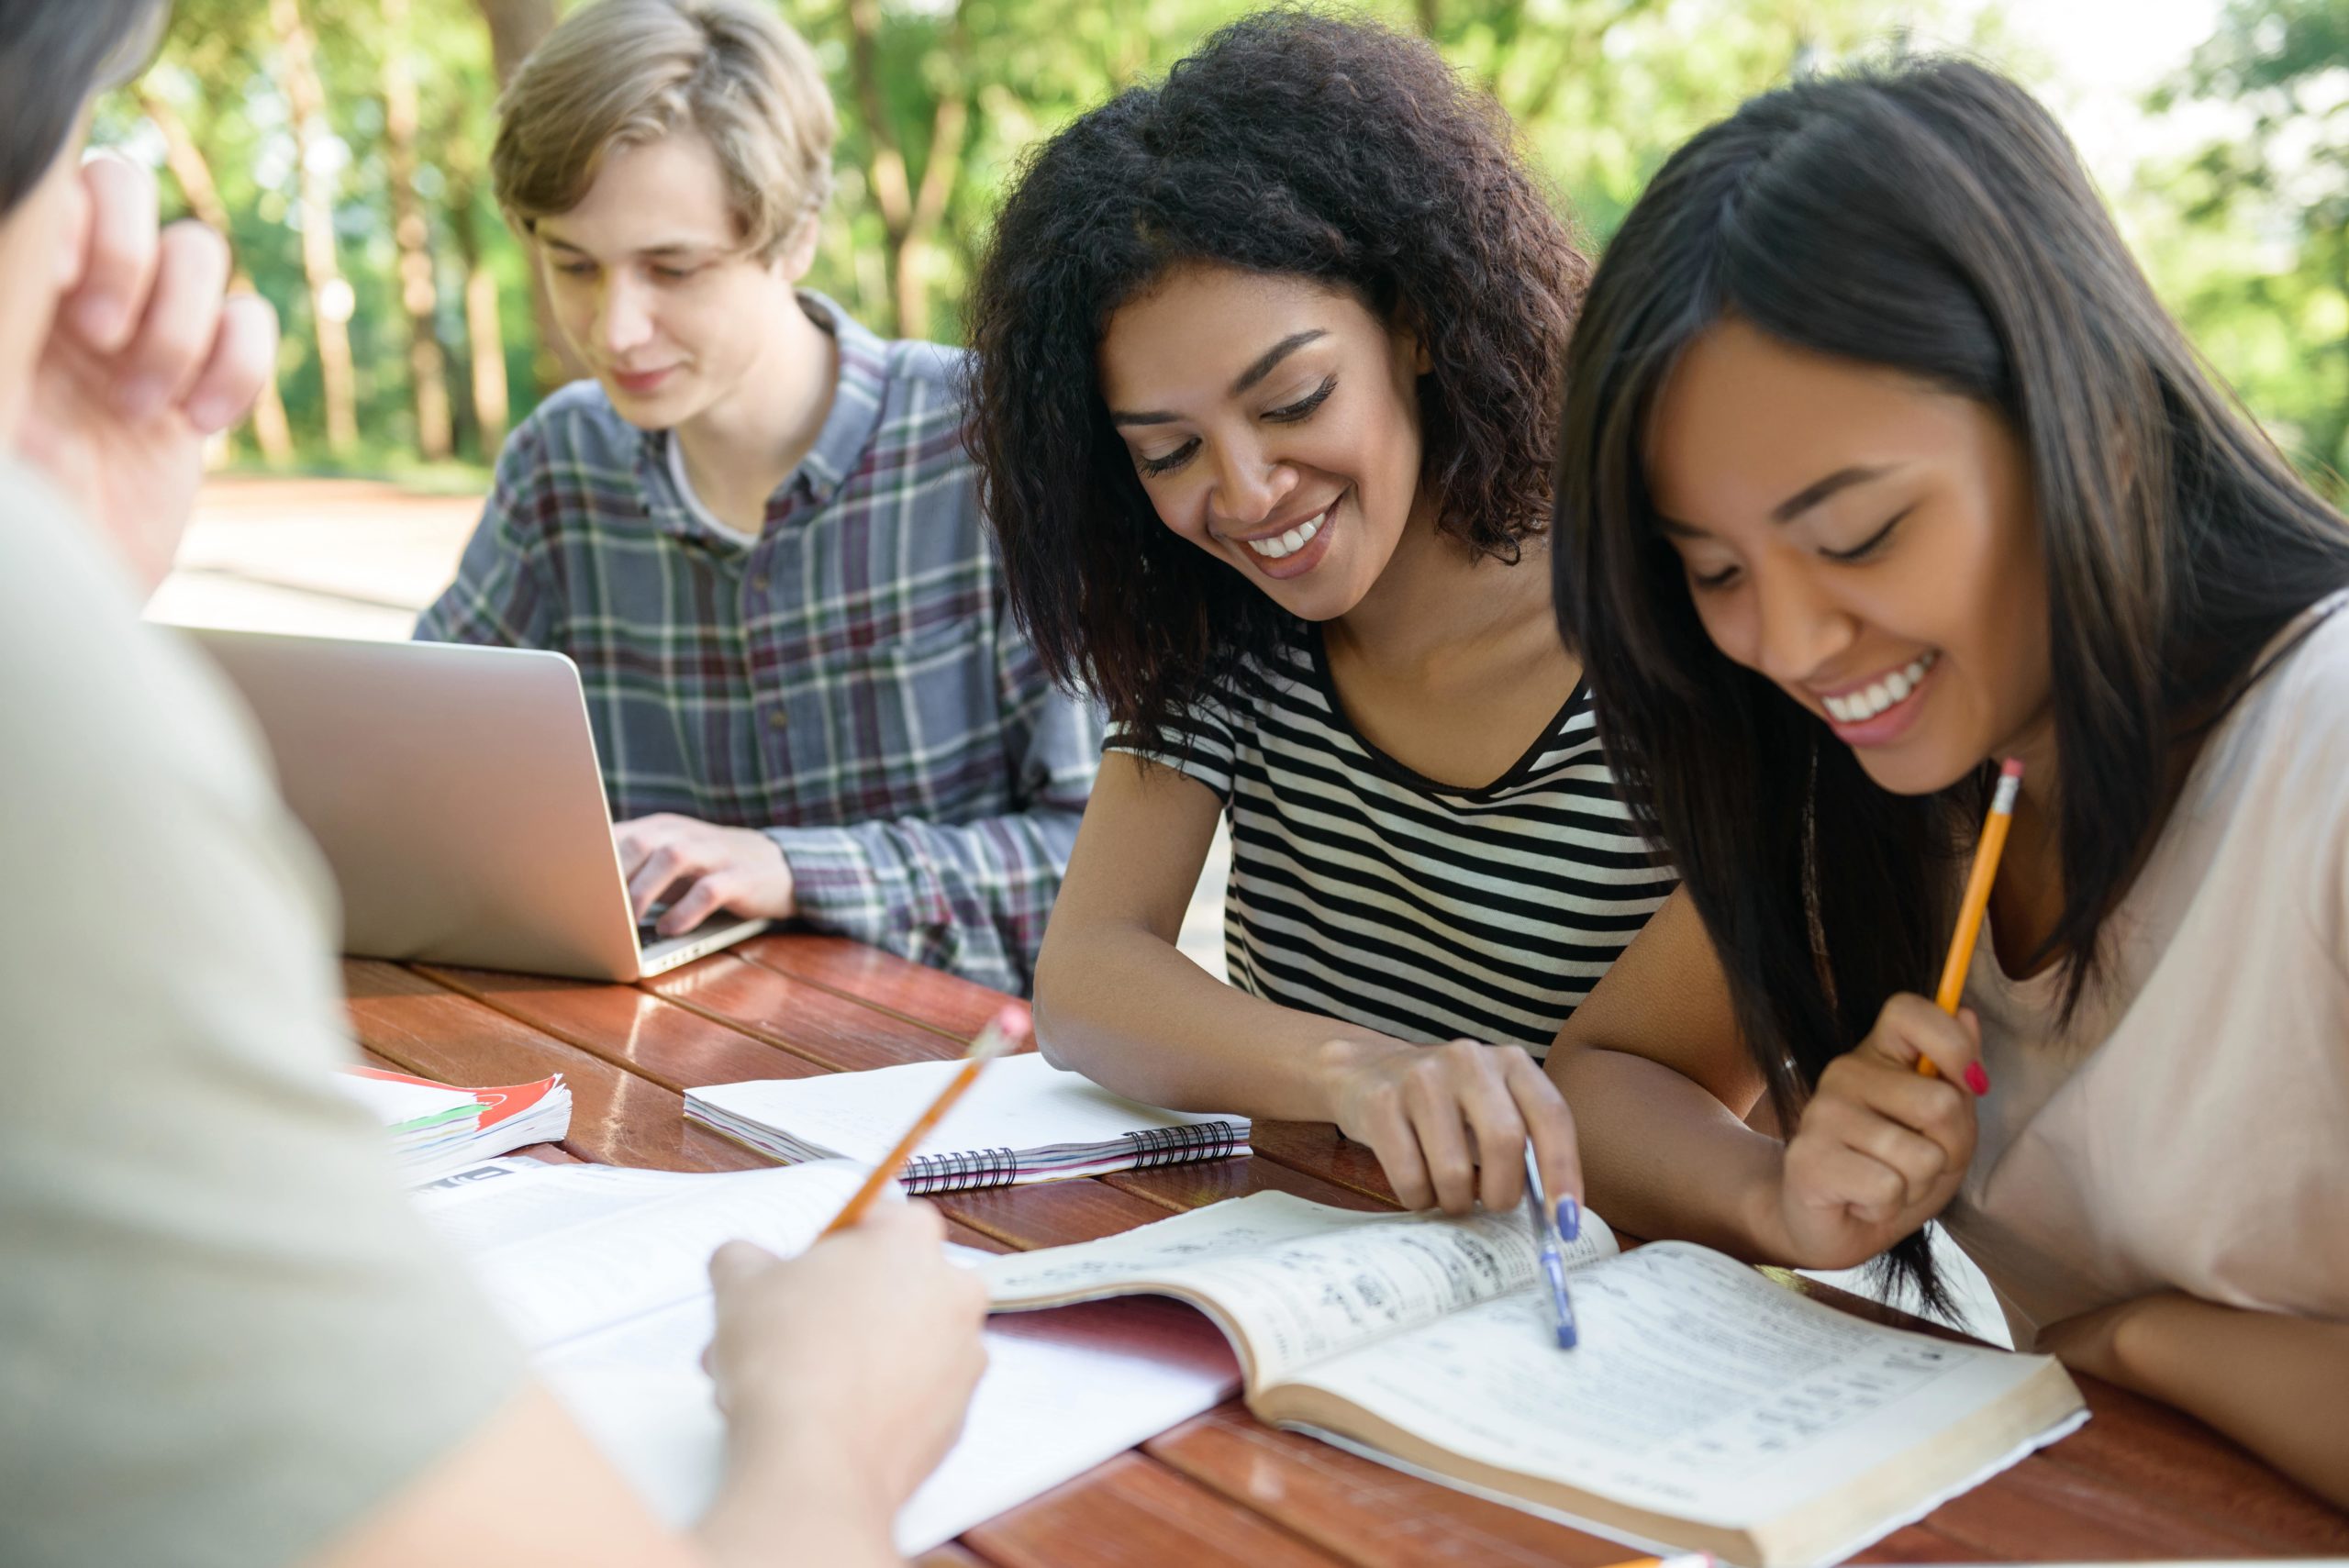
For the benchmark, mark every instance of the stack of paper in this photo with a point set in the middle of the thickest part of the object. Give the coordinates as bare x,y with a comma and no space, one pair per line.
436,1129
1024,1121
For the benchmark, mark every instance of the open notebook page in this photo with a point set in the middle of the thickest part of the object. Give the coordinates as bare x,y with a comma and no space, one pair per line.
1062,1392
565,1249
1301,1280
1700,1389
1019,1102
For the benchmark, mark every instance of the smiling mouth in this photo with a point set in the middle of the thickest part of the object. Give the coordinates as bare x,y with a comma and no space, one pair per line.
1273,547
1890,691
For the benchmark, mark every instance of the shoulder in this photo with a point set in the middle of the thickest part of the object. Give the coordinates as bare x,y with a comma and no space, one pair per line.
2278,761
935,367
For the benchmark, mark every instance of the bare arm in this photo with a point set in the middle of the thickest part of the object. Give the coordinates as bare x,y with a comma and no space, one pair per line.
1660,1086
2275,1384
1682,1143
1117,1001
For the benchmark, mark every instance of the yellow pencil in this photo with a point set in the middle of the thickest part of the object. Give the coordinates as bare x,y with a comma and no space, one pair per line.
1976,901
1003,1034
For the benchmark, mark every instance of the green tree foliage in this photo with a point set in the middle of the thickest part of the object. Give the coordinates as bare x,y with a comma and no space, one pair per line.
939,99
2255,256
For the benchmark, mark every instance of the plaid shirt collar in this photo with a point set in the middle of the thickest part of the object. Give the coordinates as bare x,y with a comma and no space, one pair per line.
848,434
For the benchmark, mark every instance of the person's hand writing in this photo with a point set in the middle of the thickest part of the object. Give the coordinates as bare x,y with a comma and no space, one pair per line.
147,357
1881,1148
1449,1122
844,1373
700,868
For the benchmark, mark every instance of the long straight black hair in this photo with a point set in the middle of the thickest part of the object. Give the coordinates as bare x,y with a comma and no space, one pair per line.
1930,219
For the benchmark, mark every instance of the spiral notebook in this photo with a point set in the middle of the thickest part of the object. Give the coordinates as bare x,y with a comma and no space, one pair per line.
1024,1121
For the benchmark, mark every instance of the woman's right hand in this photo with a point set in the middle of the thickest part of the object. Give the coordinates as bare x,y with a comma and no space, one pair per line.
1881,1147
844,1373
1449,1123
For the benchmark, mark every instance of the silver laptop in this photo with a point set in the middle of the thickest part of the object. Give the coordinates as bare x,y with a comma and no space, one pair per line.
456,795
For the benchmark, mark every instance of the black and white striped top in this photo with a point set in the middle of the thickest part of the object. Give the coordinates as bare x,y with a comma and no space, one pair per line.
1366,891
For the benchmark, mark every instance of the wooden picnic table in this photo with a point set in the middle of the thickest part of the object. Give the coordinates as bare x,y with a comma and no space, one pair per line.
2138,1481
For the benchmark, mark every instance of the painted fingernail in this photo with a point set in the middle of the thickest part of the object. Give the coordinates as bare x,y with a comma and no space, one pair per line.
1569,1218
1976,1079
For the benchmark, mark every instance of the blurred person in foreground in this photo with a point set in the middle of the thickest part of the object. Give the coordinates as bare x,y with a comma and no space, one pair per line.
756,531
224,1336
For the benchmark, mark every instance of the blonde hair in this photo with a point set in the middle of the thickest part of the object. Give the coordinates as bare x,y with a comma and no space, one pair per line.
623,72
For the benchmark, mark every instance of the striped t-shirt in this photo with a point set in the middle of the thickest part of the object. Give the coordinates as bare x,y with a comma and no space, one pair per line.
1366,891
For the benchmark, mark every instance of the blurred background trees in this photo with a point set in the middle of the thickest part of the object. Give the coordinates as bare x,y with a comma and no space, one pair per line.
343,147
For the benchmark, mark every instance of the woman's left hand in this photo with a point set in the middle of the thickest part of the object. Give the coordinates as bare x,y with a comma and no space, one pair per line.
2091,1342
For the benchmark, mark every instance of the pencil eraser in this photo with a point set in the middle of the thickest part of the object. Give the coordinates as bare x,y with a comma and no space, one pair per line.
2011,768
1014,1020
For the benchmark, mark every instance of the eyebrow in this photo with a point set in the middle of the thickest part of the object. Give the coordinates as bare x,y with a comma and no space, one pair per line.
1811,495
1264,365
668,248
1794,505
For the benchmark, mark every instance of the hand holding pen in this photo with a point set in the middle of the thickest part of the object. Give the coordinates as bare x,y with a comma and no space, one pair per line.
1889,1131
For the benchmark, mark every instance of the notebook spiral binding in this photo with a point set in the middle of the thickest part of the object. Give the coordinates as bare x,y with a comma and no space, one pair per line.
1186,1143
961,1173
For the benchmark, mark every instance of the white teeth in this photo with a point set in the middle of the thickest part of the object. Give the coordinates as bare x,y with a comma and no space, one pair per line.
1289,543
1858,707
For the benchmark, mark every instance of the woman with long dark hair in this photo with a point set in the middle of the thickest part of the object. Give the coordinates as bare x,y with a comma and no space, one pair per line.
1266,359
1879,464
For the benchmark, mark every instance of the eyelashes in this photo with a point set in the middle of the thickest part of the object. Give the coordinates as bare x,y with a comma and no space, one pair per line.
1706,582
1869,545
1304,406
1292,413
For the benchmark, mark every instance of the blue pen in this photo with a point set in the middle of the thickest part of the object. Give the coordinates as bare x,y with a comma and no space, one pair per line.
1553,1258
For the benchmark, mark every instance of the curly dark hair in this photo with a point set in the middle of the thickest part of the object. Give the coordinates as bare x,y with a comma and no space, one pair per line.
1292,143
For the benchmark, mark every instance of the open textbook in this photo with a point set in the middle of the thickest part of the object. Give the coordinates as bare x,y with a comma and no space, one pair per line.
1706,1407
602,1272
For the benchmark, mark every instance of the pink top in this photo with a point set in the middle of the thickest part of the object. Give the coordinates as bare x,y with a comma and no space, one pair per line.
2190,1130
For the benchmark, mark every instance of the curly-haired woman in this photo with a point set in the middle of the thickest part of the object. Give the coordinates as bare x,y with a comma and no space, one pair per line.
1262,409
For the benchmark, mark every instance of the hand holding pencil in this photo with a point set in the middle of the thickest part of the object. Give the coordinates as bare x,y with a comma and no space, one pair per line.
1888,1133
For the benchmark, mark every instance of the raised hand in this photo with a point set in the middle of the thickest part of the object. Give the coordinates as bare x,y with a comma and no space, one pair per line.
147,357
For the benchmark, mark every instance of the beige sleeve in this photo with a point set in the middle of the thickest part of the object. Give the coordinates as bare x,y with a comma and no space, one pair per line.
223,1334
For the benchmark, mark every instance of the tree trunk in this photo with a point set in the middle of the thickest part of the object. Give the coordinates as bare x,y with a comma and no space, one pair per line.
909,221
330,292
427,367
484,333
516,27
193,172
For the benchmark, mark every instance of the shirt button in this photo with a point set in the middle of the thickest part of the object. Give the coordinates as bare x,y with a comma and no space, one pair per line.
778,719
758,584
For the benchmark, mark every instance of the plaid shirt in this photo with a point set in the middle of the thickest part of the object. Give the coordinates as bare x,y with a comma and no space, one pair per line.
851,681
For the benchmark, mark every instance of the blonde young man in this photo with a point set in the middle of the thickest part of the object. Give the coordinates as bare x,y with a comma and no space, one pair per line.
756,531
225,1336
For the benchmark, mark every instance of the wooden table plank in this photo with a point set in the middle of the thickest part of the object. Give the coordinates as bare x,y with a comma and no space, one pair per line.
616,1118
812,1021
1136,1513
2139,1448
1195,1187
1361,1511
1320,1150
866,975
638,1029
